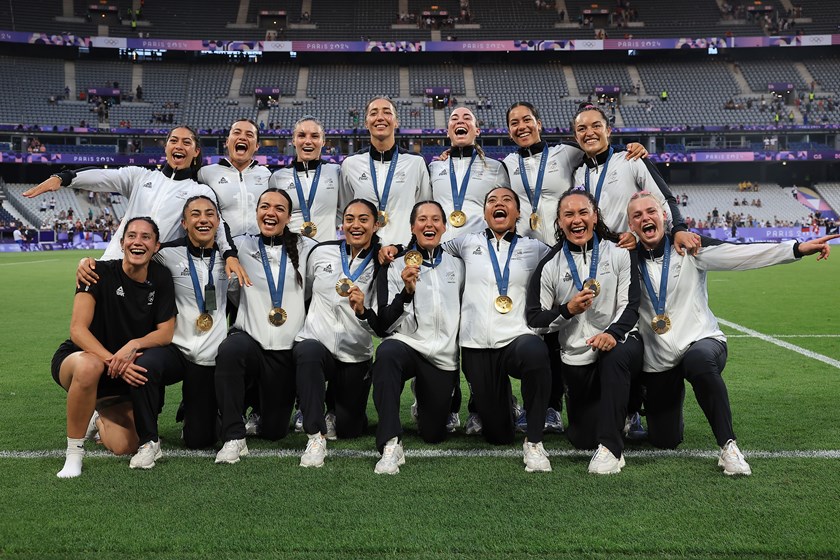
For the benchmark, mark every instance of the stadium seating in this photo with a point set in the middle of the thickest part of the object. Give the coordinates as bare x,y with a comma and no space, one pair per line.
776,202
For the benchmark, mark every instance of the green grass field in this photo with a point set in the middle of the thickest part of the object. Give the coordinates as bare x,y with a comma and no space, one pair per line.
663,505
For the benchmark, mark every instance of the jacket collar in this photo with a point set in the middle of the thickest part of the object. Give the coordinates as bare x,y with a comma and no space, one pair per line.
225,162
198,251
654,253
461,152
272,241
383,156
599,159
533,149
179,175
306,165
577,248
508,236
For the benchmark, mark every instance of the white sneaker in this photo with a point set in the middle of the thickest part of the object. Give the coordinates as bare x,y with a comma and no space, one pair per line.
329,419
298,421
92,433
535,457
604,462
473,426
453,422
392,457
231,451
146,456
252,426
732,460
316,450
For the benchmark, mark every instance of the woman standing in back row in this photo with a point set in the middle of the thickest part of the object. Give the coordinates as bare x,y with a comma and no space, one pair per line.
312,183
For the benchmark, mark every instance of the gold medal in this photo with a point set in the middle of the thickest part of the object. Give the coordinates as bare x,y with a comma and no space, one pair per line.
204,322
413,258
277,316
503,304
382,218
661,323
457,218
592,284
535,220
309,229
342,287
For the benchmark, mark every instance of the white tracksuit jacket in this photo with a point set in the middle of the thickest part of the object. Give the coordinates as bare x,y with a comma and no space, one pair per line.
687,300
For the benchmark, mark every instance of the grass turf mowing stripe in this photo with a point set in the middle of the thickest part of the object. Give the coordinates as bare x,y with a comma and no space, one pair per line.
782,343
27,262
448,453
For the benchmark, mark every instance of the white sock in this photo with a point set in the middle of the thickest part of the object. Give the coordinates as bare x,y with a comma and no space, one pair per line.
73,461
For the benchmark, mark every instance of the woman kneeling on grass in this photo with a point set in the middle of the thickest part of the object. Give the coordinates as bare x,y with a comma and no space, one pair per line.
681,335
335,346
587,290
419,300
271,313
131,308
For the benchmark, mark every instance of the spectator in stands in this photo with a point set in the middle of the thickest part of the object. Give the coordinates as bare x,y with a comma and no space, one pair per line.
312,183
109,329
684,200
736,203
150,192
43,206
19,238
682,338
392,178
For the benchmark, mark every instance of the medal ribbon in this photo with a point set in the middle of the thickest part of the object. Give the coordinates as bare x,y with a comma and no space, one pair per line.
458,195
431,263
593,266
383,198
345,264
600,179
199,293
306,205
658,302
534,197
276,292
502,279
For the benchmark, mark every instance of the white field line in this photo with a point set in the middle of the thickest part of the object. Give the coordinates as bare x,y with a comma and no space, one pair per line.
786,335
27,262
446,454
782,343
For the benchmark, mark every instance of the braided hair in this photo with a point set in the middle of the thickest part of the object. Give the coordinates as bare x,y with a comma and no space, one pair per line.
290,239
601,229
